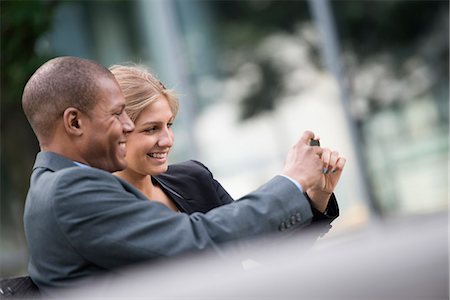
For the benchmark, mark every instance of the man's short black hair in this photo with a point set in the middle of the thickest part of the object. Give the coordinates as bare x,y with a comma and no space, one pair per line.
60,83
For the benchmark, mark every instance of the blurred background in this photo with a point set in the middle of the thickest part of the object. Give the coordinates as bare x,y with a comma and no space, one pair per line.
371,78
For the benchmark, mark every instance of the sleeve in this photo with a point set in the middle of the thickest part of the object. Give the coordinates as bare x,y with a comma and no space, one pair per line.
322,221
111,227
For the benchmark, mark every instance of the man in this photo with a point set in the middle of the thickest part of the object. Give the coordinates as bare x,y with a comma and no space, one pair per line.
80,220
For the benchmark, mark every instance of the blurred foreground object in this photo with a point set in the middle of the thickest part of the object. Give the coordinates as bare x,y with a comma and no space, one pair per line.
405,259
21,287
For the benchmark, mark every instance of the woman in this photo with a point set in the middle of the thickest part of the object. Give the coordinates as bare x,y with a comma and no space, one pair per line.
185,187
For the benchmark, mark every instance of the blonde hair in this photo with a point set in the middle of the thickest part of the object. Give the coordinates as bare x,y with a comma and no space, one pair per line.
141,89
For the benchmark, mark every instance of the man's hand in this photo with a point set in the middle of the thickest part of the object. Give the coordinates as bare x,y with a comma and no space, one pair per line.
303,162
316,169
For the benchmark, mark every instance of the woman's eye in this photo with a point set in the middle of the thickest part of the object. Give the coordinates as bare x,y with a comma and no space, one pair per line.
169,125
151,129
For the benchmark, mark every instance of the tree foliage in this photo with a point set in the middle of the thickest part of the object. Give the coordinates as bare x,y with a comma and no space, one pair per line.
22,25
367,28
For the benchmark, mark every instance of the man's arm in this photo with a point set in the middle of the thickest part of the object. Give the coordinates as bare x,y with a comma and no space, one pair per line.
112,227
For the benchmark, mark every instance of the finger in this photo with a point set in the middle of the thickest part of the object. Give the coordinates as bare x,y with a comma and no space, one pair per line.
333,160
340,164
306,137
326,155
317,150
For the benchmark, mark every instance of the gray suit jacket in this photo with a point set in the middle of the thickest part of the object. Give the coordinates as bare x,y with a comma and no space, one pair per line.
82,221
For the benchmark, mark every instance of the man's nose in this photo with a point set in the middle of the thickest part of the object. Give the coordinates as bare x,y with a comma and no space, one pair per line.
127,124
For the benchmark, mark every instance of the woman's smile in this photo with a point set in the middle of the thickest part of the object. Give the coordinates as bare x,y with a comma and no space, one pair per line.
158,155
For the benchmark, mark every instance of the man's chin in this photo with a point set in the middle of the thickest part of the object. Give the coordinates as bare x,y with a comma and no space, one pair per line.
119,166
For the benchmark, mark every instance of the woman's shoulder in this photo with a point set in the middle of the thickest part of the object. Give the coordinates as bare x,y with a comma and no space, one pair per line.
189,168
186,176
196,184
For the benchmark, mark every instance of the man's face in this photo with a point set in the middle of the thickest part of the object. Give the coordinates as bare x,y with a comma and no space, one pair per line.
149,145
104,144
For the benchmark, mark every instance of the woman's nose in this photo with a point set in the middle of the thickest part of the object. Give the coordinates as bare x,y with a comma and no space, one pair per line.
166,138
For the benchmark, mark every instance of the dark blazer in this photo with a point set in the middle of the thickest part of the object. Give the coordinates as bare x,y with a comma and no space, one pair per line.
83,221
192,187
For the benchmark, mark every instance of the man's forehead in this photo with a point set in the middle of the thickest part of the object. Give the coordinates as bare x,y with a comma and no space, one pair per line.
110,94
108,86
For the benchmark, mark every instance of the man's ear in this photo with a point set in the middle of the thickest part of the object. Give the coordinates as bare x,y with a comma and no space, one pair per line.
72,121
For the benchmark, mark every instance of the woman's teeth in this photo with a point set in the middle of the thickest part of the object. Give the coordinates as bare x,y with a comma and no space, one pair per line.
157,155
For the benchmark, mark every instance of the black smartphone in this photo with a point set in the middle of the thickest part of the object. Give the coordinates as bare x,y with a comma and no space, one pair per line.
314,143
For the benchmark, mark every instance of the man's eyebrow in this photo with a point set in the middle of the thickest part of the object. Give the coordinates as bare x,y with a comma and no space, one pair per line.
118,106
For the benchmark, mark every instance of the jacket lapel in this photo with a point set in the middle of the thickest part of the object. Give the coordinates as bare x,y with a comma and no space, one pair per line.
175,194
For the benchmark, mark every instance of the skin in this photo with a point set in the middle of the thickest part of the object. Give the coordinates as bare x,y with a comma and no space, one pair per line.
96,138
317,169
148,148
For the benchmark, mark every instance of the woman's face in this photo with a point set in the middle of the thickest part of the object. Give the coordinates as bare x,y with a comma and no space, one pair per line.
149,144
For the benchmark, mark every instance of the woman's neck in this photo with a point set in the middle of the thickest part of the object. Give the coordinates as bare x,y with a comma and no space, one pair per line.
144,184
139,181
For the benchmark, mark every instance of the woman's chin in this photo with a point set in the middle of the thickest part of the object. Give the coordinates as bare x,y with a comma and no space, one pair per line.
159,170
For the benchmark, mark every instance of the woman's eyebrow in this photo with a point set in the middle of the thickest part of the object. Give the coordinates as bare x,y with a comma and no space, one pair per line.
151,123
156,122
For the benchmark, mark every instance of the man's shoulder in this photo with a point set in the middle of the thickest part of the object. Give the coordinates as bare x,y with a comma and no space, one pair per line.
75,175
79,191
70,181
82,171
